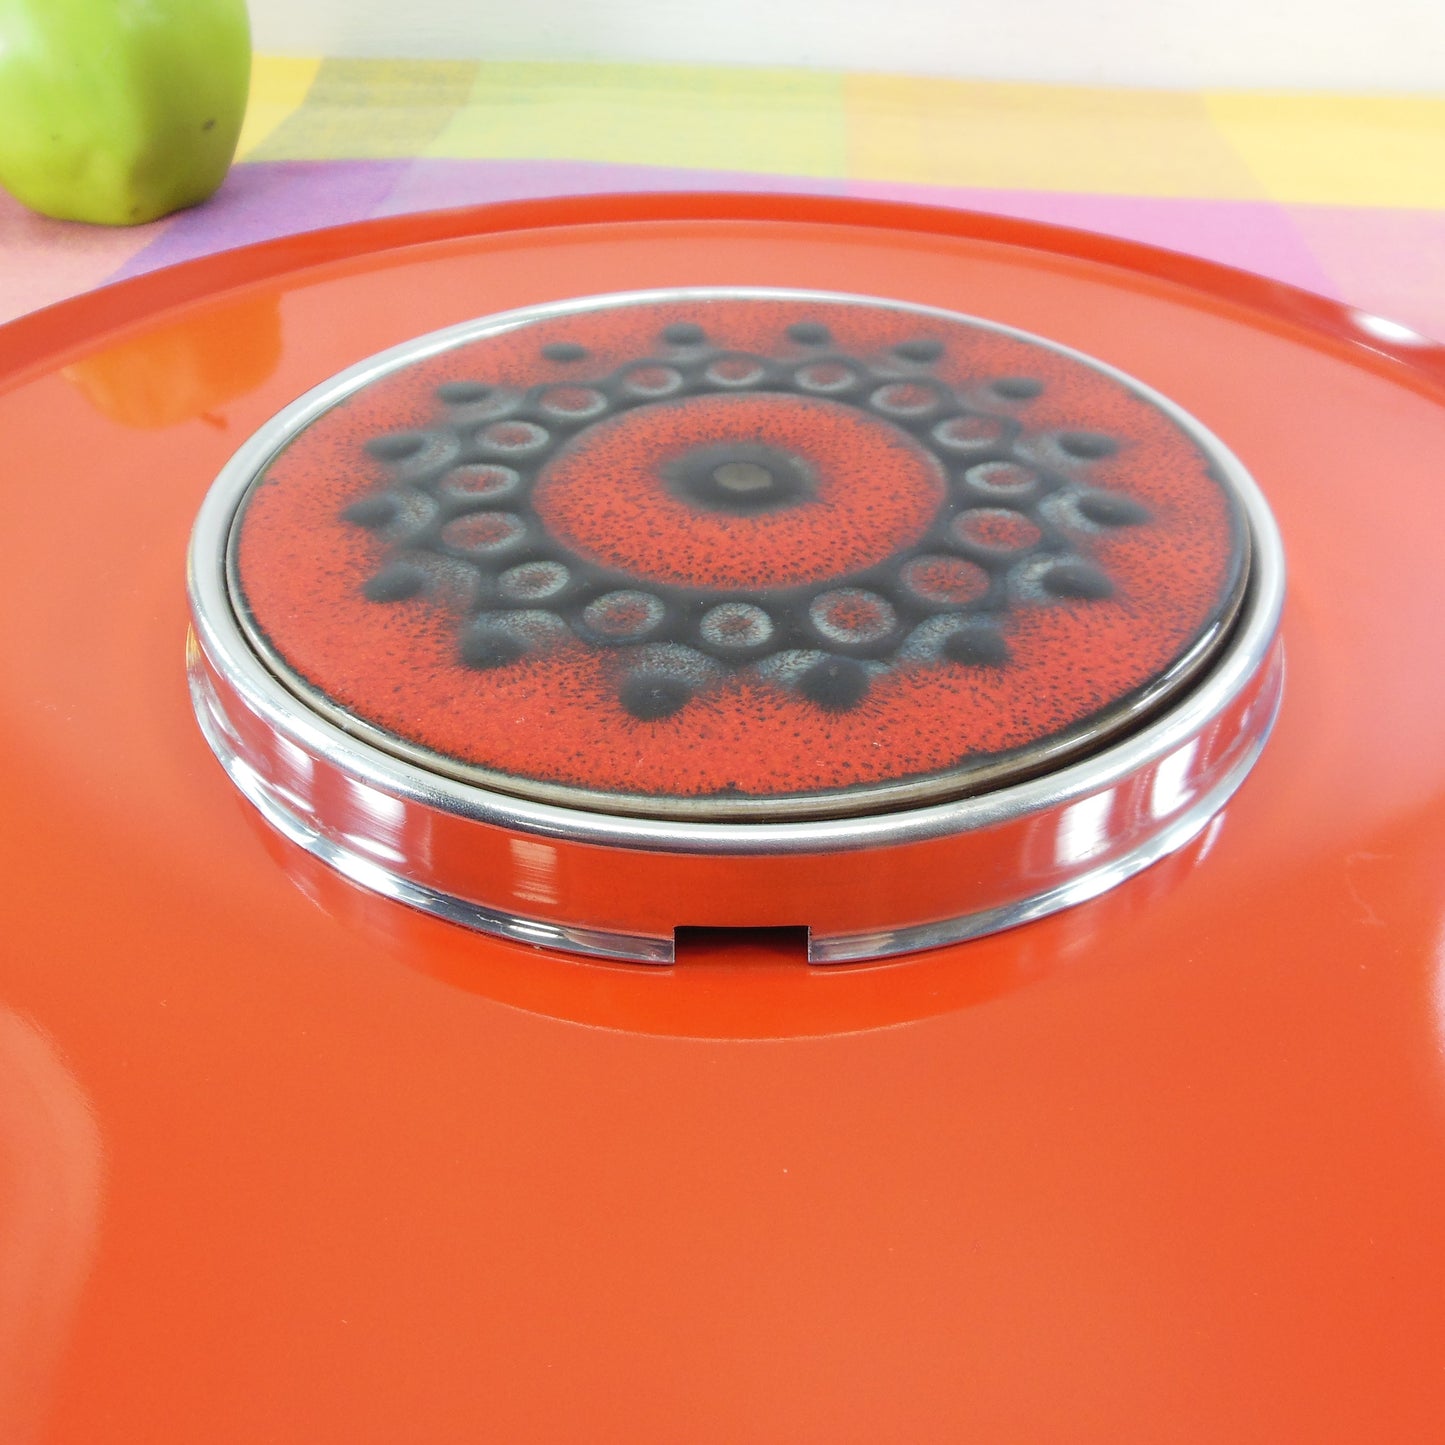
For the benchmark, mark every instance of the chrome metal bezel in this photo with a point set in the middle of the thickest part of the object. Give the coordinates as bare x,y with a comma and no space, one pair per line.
1238,666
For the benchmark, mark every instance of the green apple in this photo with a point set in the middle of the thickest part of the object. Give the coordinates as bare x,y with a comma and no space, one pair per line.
120,111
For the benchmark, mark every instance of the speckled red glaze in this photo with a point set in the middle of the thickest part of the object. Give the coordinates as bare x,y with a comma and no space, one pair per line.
554,717
877,491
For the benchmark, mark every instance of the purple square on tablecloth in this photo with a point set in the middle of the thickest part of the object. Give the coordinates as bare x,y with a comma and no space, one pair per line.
435,184
265,199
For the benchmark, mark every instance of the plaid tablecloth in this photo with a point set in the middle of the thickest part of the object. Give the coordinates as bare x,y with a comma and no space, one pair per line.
1344,195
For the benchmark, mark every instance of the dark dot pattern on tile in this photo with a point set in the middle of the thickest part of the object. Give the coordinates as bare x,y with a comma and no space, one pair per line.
769,534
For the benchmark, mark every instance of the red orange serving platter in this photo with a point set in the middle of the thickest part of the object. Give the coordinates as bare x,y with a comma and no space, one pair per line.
720,818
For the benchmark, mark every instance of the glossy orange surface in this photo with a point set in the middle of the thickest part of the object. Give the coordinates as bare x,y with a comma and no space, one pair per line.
282,1161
